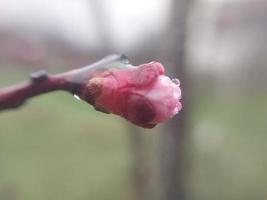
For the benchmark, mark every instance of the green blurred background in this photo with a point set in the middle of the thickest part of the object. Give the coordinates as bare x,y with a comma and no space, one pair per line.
56,147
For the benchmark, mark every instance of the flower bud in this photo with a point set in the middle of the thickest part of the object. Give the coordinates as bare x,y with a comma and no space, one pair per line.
143,95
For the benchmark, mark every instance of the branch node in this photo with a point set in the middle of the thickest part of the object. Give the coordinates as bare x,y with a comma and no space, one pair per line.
124,59
39,76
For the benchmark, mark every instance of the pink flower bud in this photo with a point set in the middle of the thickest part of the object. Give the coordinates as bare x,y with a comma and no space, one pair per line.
142,95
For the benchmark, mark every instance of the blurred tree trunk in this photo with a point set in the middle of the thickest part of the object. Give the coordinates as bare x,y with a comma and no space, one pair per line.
172,147
97,9
139,167
139,164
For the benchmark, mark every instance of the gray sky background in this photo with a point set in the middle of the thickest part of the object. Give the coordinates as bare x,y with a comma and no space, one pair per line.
127,20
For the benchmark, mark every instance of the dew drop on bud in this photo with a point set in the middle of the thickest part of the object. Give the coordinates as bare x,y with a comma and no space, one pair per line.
77,97
176,81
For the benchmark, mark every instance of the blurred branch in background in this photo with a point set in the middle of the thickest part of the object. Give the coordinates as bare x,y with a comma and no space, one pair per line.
139,164
97,9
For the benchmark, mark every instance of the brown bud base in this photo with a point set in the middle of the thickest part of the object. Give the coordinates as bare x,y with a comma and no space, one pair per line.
91,91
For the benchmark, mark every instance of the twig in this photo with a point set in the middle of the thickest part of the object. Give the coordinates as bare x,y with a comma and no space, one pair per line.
41,82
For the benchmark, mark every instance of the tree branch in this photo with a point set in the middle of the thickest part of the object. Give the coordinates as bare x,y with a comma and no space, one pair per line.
41,82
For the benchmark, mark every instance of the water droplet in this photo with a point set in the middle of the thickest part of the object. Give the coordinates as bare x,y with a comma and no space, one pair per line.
77,97
176,81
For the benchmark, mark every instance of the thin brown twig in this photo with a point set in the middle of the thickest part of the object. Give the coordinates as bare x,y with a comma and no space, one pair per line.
41,82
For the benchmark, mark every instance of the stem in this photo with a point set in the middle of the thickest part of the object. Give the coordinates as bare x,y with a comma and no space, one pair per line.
14,96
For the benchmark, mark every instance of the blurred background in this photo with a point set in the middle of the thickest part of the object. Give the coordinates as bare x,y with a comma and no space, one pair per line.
56,147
